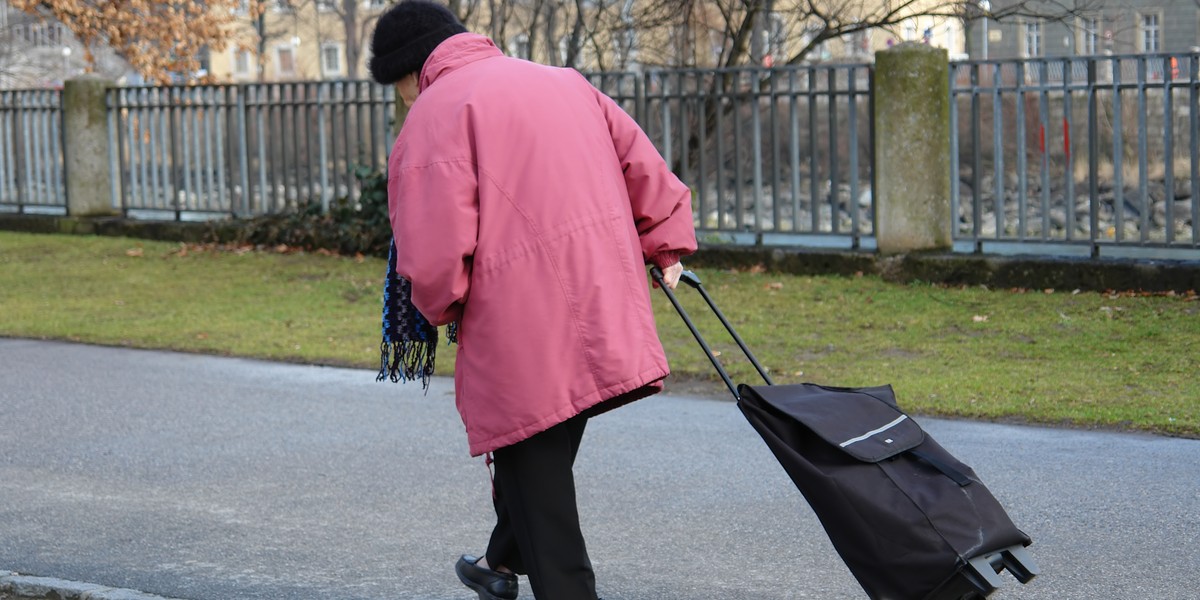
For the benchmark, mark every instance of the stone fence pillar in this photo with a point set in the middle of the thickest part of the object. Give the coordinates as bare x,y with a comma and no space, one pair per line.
86,147
912,149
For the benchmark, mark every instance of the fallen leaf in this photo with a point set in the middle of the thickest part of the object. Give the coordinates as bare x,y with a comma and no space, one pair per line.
980,318
134,252
776,285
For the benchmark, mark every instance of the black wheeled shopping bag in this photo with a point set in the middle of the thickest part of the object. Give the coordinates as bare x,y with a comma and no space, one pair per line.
910,520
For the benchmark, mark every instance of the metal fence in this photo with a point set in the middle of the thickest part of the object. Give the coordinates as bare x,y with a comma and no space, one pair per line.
31,155
772,155
249,149
1093,155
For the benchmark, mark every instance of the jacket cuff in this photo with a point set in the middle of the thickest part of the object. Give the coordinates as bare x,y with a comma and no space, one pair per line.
665,258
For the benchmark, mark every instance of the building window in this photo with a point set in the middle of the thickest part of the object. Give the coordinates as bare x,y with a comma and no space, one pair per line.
1089,35
43,35
910,30
519,47
285,57
1150,32
331,59
241,62
1032,40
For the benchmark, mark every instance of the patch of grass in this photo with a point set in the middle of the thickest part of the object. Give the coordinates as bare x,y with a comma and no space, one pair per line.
1082,359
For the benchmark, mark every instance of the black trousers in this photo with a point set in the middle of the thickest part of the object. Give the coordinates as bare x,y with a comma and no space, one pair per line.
537,520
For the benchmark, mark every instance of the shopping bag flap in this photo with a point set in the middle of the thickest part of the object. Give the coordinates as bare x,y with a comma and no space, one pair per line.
865,423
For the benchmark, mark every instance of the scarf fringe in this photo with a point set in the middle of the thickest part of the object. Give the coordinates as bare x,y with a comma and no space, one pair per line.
403,361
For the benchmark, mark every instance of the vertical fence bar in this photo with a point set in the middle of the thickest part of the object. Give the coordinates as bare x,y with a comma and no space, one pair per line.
955,187
123,149
187,127
1094,159
813,180
834,196
243,151
8,175
719,171
1118,153
794,146
852,123
977,159
776,167
265,198
220,165
28,143
998,203
756,141
57,134
1194,121
322,141
112,114
1022,154
1143,165
1169,149
1044,141
739,199
1069,149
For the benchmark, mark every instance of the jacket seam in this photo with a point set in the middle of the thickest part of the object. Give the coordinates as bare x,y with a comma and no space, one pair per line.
572,306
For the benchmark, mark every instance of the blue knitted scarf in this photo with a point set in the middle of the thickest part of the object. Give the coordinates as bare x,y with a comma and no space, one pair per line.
410,341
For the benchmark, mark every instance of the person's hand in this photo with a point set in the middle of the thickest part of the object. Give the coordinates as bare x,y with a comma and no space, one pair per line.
671,274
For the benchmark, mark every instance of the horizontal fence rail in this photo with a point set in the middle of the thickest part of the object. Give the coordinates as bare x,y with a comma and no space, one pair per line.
31,152
247,149
771,155
1099,155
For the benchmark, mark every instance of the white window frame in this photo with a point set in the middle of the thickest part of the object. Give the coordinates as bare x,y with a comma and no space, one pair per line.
1150,43
1091,30
341,55
1032,38
279,50
238,55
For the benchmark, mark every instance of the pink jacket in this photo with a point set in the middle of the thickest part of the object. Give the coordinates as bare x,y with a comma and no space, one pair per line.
525,205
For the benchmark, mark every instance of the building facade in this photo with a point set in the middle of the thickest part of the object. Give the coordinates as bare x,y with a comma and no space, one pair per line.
1128,27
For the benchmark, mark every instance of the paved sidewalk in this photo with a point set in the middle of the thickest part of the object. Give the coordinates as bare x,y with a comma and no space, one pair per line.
208,478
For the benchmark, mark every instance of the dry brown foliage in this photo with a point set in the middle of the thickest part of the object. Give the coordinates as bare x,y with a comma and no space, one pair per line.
158,38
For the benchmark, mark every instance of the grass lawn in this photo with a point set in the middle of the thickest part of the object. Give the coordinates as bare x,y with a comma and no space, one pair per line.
1043,356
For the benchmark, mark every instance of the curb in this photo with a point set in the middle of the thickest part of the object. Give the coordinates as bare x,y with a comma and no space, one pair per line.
28,586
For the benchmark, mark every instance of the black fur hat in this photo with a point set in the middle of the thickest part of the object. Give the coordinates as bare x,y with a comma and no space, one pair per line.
405,36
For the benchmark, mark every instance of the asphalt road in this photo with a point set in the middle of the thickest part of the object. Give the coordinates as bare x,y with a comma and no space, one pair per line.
212,478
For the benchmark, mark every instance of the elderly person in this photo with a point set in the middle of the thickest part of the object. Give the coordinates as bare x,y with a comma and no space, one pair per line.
525,206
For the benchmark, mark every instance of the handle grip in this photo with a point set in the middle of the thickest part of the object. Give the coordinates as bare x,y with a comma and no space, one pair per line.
690,278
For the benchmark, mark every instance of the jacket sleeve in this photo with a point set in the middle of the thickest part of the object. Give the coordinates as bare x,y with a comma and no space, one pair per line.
434,210
662,205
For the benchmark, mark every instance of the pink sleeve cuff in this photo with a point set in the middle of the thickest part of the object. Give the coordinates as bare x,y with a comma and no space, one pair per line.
665,258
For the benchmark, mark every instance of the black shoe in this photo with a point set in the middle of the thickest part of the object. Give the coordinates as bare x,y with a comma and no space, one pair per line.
489,584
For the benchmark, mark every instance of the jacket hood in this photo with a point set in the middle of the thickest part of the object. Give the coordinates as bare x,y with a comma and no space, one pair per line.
457,51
